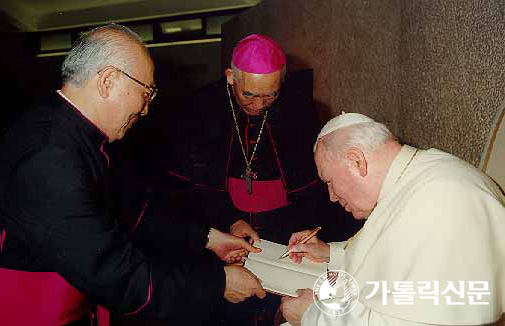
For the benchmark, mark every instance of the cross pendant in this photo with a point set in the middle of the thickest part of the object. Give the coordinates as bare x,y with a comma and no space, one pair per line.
249,176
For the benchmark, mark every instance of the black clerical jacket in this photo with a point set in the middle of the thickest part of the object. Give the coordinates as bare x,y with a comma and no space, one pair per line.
55,207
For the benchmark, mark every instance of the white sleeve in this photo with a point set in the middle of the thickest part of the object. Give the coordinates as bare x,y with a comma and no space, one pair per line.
337,255
358,316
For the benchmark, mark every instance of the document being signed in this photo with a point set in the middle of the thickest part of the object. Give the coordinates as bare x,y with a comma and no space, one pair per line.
282,276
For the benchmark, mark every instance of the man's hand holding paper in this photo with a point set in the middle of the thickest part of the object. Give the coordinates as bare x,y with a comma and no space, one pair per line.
242,229
228,247
241,284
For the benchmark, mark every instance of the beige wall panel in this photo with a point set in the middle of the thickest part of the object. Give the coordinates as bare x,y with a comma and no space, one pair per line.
434,71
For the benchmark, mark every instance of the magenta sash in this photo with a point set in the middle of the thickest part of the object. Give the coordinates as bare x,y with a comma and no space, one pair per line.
266,195
36,298
41,298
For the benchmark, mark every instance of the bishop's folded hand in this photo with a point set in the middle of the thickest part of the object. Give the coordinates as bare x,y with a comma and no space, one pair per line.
229,247
243,229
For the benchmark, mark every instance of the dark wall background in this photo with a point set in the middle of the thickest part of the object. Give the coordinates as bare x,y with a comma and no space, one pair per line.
179,71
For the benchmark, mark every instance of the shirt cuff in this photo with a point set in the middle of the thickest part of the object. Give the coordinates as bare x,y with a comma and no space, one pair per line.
337,255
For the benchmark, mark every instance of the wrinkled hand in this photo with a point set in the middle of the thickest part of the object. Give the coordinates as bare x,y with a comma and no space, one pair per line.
241,284
314,249
236,257
242,229
229,248
294,308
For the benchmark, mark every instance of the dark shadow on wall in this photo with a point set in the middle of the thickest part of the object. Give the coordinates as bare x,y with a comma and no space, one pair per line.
323,112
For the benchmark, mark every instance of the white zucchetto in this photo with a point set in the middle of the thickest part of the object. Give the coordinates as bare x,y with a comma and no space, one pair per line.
341,121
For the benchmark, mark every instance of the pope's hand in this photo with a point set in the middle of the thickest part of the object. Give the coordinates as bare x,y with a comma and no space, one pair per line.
314,249
241,284
294,308
228,247
242,229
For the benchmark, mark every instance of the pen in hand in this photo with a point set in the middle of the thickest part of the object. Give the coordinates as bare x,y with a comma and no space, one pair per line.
304,240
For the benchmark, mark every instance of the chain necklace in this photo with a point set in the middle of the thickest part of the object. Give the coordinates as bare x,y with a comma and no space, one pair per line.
249,175
406,166
348,242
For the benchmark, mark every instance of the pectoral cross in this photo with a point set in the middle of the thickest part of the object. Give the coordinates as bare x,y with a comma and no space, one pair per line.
249,177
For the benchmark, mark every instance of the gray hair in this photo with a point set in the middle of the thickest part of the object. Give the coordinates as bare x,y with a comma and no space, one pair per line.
366,136
237,73
108,45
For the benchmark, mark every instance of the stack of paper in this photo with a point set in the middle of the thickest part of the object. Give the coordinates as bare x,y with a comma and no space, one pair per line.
282,276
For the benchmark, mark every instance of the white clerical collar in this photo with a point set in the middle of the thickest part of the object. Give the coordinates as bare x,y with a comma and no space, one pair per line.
66,98
397,169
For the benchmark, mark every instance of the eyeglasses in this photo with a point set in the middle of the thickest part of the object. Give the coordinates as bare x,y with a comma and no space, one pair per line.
151,90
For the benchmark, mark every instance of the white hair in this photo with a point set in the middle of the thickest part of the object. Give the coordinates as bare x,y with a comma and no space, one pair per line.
366,136
237,73
109,45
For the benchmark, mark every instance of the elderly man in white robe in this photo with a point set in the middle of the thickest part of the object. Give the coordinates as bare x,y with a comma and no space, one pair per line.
434,238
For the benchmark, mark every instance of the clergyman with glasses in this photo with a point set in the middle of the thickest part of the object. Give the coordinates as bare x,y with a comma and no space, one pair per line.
61,249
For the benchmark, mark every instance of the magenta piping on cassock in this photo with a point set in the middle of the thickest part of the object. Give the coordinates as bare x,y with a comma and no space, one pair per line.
103,152
282,171
303,187
148,299
175,174
246,139
202,186
277,157
2,238
199,185
229,159
140,216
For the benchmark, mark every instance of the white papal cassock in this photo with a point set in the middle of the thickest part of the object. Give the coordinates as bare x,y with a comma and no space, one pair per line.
437,219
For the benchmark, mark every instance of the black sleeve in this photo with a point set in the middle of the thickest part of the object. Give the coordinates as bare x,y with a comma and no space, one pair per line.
217,208
54,202
165,221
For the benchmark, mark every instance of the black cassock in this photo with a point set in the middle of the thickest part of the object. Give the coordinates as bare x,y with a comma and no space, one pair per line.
204,152
56,209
